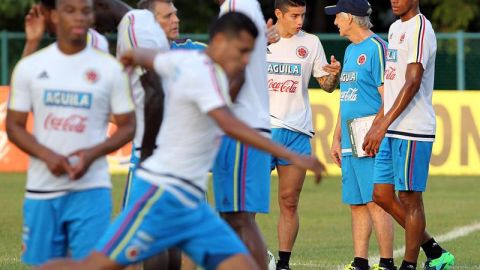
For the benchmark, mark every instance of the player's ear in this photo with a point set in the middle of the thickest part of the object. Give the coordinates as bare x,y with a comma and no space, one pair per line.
54,16
278,13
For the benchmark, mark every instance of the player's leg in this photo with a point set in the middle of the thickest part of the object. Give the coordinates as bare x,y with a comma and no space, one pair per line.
414,223
244,225
384,232
290,183
187,263
361,222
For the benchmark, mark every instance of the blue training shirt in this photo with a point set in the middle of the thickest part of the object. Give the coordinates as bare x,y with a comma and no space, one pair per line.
187,44
362,74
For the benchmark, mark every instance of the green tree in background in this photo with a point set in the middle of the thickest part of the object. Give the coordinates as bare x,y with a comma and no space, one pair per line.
453,15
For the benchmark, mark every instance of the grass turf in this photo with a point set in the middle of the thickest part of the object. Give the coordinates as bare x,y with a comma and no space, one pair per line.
324,240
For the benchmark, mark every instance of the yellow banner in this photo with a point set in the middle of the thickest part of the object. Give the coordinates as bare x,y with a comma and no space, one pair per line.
456,150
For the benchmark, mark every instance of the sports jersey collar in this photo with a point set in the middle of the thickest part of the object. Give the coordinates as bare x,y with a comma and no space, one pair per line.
70,56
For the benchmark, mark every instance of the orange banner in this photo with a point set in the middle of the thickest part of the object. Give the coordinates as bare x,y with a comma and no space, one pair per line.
13,159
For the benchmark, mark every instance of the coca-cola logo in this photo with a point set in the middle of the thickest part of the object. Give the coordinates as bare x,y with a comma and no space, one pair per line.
390,73
73,123
288,86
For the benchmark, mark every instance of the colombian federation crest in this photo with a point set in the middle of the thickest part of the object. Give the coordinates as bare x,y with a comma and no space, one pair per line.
302,52
91,76
361,59
132,253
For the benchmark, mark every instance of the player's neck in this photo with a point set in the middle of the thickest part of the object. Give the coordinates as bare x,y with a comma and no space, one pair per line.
68,48
409,14
360,35
283,31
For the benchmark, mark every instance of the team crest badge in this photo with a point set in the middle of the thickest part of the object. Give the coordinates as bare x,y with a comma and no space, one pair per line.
302,52
361,59
402,38
132,253
91,76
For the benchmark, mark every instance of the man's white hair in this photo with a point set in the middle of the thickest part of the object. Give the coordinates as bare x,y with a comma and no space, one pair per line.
363,22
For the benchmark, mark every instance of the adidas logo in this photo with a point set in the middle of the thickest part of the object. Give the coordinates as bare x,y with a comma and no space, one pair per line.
43,75
268,51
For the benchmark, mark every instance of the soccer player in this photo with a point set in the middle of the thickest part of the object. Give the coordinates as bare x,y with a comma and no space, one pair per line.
71,89
361,85
38,21
402,139
241,173
291,62
172,210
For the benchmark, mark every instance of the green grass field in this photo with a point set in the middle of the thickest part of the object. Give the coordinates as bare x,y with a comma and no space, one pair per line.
324,240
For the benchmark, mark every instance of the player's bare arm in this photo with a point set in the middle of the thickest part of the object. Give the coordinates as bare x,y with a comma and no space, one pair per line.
329,82
141,57
336,149
124,133
34,30
413,79
240,131
16,125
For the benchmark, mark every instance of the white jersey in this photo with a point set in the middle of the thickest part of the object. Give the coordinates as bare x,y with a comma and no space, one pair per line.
71,97
97,40
139,29
412,41
251,105
290,65
189,138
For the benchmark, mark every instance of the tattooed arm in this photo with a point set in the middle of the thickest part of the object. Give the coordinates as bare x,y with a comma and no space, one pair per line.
329,82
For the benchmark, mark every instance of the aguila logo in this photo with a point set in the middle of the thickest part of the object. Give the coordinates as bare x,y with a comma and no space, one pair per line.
302,52
361,59
91,76
288,86
73,123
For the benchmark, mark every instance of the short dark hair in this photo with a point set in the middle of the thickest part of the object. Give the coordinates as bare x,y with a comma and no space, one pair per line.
232,23
48,3
284,4
148,4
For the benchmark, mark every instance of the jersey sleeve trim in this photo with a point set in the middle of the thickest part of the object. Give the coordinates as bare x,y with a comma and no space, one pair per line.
215,81
382,52
419,35
231,5
131,31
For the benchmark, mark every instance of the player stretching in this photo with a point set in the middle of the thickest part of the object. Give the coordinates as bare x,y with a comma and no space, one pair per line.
291,62
403,156
72,90
172,210
361,86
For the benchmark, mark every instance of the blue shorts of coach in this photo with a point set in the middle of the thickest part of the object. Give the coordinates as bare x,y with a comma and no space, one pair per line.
357,180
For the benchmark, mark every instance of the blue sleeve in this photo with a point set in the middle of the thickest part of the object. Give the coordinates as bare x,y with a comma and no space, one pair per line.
378,54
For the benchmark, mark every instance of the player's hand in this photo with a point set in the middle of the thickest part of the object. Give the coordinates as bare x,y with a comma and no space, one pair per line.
34,24
336,152
128,59
334,68
80,161
374,137
273,36
57,164
310,163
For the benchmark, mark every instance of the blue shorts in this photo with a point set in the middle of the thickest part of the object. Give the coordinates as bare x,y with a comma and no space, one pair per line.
403,163
241,178
296,142
66,225
165,217
357,180
129,186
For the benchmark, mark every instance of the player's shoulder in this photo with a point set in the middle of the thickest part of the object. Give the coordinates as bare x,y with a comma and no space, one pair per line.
104,59
308,37
138,18
37,58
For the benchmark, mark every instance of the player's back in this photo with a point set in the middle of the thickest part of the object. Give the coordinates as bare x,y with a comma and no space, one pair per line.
187,142
138,29
252,103
71,97
97,40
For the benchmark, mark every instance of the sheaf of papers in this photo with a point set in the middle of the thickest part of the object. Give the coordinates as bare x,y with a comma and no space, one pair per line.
358,129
